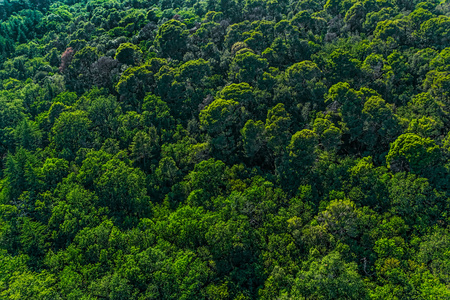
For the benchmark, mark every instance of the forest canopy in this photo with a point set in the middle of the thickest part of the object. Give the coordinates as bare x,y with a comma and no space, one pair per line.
224,149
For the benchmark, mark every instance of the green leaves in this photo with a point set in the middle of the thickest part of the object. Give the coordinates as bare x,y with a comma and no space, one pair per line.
277,126
171,39
222,120
301,149
129,54
31,285
253,135
330,278
328,133
247,67
71,131
122,189
144,147
411,152
224,149
381,126
219,116
434,31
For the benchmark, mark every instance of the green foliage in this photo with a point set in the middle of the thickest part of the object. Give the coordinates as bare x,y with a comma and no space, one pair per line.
172,38
411,152
253,137
144,146
70,132
434,31
330,278
247,67
278,123
301,149
128,54
122,189
222,120
329,134
381,126
224,149
135,82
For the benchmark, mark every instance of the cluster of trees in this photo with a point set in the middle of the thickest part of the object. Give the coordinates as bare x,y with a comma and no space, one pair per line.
258,149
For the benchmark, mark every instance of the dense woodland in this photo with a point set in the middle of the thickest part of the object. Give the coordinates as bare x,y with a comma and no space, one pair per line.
224,149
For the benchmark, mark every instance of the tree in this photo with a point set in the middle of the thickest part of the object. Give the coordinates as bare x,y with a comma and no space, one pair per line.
11,116
340,219
241,92
121,188
247,67
167,170
21,175
38,285
28,135
302,150
156,113
105,71
411,152
136,82
395,29
425,127
53,58
208,177
104,113
191,79
277,126
330,278
81,68
305,80
83,60
253,135
297,162
333,6
53,171
71,131
350,104
144,147
424,105
381,126
76,209
66,59
355,16
129,54
434,31
431,253
415,200
438,84
342,66
328,134
222,120
172,39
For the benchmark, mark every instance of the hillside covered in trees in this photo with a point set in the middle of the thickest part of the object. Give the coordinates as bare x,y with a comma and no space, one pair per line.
224,149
